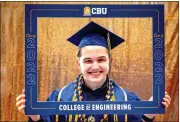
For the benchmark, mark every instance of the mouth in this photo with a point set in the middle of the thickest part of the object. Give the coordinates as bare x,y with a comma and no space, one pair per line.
95,73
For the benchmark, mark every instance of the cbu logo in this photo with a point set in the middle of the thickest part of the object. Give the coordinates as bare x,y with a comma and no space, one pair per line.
88,11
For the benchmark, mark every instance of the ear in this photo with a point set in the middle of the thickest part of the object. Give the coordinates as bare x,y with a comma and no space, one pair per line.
111,60
78,63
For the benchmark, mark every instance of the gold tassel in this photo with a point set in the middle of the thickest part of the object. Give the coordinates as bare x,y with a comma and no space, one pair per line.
57,118
109,50
109,44
70,118
126,118
76,118
116,118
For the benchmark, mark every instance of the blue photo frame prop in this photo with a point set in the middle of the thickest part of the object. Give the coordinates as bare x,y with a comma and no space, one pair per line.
32,12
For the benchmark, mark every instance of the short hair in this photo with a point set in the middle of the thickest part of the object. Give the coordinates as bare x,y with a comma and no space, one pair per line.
79,53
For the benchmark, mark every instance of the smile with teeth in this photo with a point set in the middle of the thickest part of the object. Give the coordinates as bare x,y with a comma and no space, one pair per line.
95,73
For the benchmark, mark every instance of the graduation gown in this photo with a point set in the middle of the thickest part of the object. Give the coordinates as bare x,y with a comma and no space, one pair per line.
67,92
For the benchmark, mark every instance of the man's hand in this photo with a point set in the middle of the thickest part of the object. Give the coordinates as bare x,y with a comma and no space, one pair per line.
20,103
166,102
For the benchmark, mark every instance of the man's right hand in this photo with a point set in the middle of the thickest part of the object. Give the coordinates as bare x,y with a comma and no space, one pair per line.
20,103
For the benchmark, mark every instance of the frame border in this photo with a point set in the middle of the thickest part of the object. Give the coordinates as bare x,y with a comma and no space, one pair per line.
33,11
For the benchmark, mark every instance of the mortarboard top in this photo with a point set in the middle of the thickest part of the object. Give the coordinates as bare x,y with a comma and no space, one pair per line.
94,34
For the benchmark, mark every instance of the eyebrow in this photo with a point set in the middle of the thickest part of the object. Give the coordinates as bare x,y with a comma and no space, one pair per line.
87,59
102,57
97,57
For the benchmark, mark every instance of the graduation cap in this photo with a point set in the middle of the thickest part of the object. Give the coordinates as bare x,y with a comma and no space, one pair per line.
94,34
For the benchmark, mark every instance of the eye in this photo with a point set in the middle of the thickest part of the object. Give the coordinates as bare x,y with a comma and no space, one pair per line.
88,61
101,60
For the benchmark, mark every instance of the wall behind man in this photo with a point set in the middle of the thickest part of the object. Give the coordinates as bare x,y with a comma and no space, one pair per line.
131,66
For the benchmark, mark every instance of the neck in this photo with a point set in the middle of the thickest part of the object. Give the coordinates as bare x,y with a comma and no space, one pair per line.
93,85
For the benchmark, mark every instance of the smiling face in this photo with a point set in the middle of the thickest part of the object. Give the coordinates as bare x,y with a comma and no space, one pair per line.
94,64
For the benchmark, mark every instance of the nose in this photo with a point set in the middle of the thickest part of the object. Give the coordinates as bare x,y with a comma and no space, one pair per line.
95,66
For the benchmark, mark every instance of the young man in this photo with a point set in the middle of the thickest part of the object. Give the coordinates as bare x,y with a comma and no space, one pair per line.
93,84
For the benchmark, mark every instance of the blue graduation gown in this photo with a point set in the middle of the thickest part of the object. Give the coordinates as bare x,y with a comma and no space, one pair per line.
89,95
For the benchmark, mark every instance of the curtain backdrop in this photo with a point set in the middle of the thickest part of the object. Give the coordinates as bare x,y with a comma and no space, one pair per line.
132,60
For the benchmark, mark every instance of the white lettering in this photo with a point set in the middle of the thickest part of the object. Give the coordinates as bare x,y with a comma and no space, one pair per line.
111,107
99,11
93,10
71,107
104,10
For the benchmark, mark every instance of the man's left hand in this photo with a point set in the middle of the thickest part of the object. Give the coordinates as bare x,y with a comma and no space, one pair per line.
166,102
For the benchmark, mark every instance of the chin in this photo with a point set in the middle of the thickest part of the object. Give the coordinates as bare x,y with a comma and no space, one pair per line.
96,80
